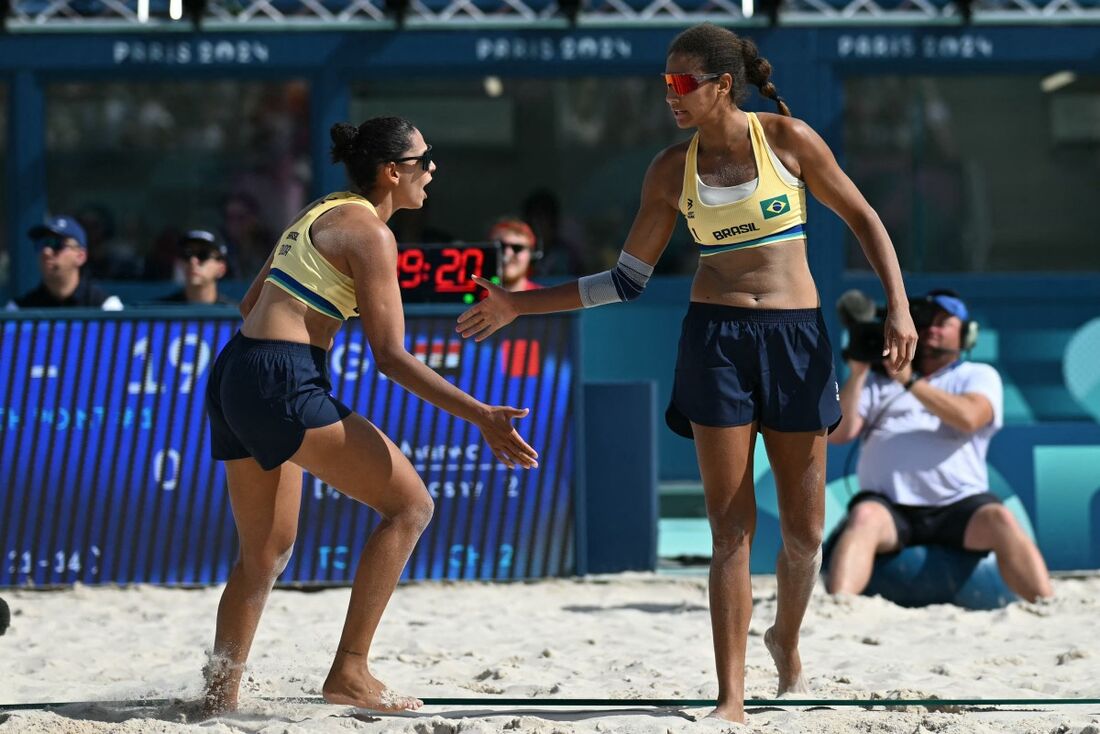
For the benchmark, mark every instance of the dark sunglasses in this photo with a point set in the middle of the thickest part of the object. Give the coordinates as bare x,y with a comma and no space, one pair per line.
683,84
54,242
425,159
514,246
201,254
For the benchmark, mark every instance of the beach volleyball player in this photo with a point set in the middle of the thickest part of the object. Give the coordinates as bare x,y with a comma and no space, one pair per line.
753,355
272,415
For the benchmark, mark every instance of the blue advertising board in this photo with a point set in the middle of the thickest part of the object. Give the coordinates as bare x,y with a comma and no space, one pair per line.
106,475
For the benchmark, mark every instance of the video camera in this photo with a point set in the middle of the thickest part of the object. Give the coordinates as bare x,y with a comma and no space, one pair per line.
864,319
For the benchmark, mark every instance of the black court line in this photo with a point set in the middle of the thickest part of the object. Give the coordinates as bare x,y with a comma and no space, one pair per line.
610,702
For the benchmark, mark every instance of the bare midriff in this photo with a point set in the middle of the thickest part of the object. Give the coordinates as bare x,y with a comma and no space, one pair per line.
279,315
775,276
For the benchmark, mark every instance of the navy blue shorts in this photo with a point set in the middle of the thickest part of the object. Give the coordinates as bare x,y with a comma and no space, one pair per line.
942,525
739,365
263,395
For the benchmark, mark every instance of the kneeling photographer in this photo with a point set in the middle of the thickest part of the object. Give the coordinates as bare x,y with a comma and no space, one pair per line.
925,431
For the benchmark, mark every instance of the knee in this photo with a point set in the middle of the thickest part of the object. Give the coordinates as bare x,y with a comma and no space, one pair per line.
867,520
999,523
415,514
864,516
803,544
731,538
269,560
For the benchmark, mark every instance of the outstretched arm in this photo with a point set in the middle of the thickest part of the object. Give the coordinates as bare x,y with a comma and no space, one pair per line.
372,255
649,235
833,188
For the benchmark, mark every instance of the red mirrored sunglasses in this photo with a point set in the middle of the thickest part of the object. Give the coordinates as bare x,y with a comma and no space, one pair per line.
686,83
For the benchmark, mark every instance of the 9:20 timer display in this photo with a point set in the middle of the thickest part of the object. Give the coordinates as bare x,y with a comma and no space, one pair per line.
445,273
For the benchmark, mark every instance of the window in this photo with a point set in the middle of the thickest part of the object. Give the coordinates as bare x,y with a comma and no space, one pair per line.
140,163
978,174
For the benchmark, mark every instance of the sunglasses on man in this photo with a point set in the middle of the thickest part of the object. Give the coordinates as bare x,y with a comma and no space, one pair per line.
202,254
425,159
683,84
56,243
516,247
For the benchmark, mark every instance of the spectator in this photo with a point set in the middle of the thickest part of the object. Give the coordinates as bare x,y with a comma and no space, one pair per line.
922,471
518,248
62,251
201,260
248,240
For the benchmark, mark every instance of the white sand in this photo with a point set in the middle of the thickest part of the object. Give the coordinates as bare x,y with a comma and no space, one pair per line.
634,636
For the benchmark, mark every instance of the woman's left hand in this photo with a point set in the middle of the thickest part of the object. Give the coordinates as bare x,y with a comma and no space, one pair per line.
899,339
495,312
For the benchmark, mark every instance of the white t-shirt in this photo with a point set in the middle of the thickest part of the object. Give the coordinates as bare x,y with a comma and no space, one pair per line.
913,457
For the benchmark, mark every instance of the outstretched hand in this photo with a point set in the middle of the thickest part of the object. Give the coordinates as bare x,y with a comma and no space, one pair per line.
899,340
507,445
484,319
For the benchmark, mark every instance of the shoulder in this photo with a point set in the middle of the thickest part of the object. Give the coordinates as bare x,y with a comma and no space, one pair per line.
671,159
30,298
666,171
788,133
89,294
350,225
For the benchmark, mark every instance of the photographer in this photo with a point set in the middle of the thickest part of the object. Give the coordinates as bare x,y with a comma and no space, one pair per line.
922,473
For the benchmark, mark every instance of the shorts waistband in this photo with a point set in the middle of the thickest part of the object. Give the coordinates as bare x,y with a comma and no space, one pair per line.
721,312
293,349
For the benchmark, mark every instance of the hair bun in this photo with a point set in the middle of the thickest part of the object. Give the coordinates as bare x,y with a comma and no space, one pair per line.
344,137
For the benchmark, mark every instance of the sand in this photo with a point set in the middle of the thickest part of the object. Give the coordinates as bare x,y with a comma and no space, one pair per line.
628,636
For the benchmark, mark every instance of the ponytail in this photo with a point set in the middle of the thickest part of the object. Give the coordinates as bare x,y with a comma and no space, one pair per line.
758,73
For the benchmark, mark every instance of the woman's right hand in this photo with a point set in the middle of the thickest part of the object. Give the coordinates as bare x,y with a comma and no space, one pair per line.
899,339
483,320
507,445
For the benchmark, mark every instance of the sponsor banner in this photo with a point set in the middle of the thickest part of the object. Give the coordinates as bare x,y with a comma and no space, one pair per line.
106,475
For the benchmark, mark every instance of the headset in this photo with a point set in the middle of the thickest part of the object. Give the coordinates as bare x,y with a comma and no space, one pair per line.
945,299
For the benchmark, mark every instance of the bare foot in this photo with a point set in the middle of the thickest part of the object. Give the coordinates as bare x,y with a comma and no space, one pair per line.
734,712
363,690
789,665
223,680
216,703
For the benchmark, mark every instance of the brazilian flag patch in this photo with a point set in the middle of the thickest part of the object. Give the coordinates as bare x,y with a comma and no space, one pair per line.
774,207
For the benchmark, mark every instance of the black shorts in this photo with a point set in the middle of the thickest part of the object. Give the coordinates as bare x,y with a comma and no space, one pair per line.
263,395
739,365
942,525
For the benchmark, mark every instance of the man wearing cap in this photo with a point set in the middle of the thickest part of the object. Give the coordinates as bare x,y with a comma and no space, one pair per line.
922,470
62,250
201,261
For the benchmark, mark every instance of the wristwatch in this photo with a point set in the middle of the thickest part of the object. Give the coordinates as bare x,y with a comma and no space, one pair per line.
911,381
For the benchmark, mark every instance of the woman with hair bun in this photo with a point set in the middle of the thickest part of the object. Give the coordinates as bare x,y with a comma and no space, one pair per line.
272,414
754,356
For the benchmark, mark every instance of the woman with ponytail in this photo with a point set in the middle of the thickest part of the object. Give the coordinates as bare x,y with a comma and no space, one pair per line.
272,414
754,356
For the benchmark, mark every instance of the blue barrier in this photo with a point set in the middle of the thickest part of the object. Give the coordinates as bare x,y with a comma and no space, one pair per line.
105,473
620,428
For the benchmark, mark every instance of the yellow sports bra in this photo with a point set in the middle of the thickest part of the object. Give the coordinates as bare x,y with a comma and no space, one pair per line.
774,212
303,272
